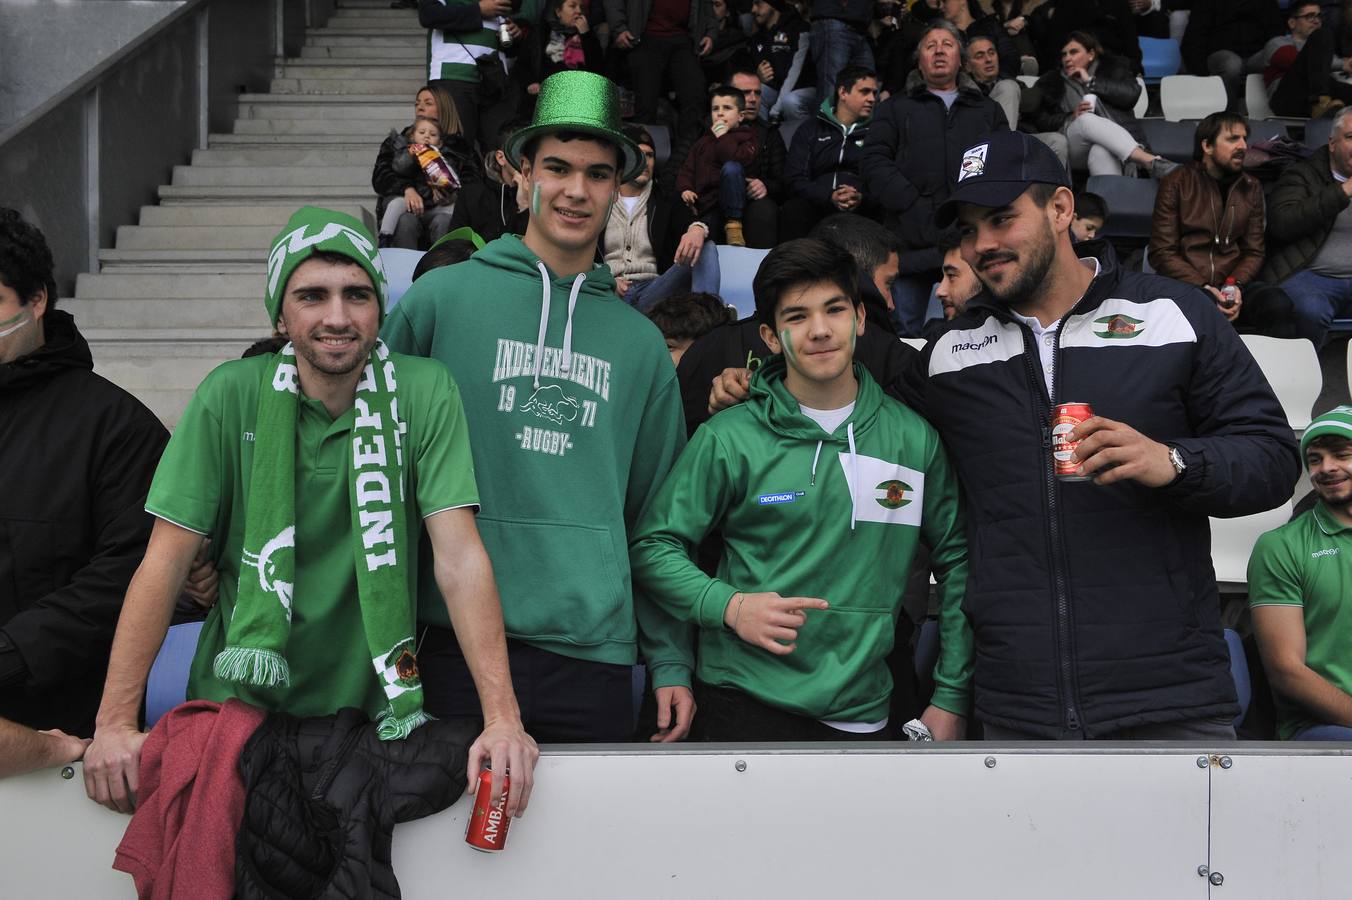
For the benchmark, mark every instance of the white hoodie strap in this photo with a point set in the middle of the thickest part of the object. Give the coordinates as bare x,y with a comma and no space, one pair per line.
544,322
567,363
816,456
854,472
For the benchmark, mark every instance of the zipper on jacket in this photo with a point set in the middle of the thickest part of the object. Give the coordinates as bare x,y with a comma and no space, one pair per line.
332,765
1032,363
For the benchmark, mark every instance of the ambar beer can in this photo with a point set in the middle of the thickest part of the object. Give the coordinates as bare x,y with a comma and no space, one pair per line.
1064,419
487,829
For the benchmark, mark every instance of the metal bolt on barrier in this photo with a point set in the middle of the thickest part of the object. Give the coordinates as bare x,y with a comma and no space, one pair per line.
1203,871
990,762
1202,762
1226,762
1217,879
740,765
68,772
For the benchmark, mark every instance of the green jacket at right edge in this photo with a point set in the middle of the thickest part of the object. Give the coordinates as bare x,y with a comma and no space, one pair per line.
807,514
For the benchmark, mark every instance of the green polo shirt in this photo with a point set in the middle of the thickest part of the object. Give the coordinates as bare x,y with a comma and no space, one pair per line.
1308,563
202,484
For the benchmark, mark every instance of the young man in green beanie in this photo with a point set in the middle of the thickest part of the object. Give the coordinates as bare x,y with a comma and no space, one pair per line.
314,471
575,417
821,486
1300,593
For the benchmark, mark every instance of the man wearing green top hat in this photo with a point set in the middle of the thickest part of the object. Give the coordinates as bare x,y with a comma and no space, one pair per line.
574,418
1300,593
314,471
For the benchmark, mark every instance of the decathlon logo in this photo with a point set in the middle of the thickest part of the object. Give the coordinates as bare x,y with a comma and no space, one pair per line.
775,499
975,345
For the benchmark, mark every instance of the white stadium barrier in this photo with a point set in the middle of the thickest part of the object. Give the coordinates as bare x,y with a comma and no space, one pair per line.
963,820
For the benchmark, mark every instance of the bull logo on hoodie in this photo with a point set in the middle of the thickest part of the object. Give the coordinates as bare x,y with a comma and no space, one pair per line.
550,402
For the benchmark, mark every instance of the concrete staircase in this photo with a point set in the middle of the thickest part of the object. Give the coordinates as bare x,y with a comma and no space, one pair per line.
181,291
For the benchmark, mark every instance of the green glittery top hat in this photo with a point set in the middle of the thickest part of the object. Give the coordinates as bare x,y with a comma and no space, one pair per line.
575,100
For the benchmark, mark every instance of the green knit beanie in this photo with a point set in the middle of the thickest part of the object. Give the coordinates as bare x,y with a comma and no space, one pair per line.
1337,421
310,230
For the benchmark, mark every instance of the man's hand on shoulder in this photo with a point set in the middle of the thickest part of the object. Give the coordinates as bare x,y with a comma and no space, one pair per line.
730,387
1114,451
675,712
112,764
506,747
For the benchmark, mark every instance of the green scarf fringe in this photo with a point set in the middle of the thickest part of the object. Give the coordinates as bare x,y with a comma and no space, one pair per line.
252,665
396,729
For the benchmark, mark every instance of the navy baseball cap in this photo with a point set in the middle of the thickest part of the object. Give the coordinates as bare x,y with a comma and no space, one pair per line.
1000,167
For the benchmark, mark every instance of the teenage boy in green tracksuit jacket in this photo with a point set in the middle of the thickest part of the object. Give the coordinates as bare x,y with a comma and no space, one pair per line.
821,486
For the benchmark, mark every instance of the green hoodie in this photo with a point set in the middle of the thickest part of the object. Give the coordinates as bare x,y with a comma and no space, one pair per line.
574,419
778,487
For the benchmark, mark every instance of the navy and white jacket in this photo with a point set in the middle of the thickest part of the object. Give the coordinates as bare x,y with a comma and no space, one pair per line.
1096,608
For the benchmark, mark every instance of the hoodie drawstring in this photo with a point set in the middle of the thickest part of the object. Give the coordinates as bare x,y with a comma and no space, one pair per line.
816,456
568,328
854,472
545,291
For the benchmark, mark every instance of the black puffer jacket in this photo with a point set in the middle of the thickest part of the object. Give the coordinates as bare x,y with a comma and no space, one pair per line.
324,795
1301,211
79,453
911,156
396,169
824,156
1096,608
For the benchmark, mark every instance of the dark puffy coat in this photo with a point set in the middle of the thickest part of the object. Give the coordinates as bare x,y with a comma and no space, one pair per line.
825,155
324,795
702,167
911,159
1202,236
79,453
1301,213
1095,608
490,208
396,169
768,165
1115,86
1240,26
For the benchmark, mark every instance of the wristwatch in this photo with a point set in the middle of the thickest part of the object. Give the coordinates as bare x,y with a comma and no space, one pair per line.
1176,457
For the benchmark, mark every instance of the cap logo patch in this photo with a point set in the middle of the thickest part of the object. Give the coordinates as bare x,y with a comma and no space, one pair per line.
973,162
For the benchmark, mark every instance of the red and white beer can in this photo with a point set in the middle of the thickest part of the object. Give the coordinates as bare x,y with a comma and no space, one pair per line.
1064,419
487,828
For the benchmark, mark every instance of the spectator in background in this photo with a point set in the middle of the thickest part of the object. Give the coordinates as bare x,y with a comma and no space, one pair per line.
1309,234
397,174
1226,38
959,282
498,204
1103,134
983,64
1091,212
1298,67
564,40
1020,19
650,250
79,453
1300,588
665,39
823,165
911,158
461,33
427,203
714,174
1110,22
685,318
1208,226
766,192
973,21
1152,17
839,39
779,50
729,41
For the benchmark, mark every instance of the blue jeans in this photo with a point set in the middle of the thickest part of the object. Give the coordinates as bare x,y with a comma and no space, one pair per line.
799,104
834,46
911,295
1324,733
702,277
732,191
1318,300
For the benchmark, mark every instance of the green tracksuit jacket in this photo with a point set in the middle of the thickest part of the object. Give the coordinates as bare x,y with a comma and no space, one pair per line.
808,514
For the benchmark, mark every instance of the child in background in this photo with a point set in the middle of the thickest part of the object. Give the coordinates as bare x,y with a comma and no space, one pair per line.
1091,211
712,180
685,318
431,199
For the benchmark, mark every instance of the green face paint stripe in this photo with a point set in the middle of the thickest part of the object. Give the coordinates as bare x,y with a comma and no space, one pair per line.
21,314
787,341
535,200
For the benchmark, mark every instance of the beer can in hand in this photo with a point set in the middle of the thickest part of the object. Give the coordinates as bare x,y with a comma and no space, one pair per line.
487,828
1064,419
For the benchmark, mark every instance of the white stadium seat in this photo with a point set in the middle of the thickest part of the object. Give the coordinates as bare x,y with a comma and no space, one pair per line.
1256,98
1232,541
1292,368
736,269
1191,96
1142,101
1028,80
